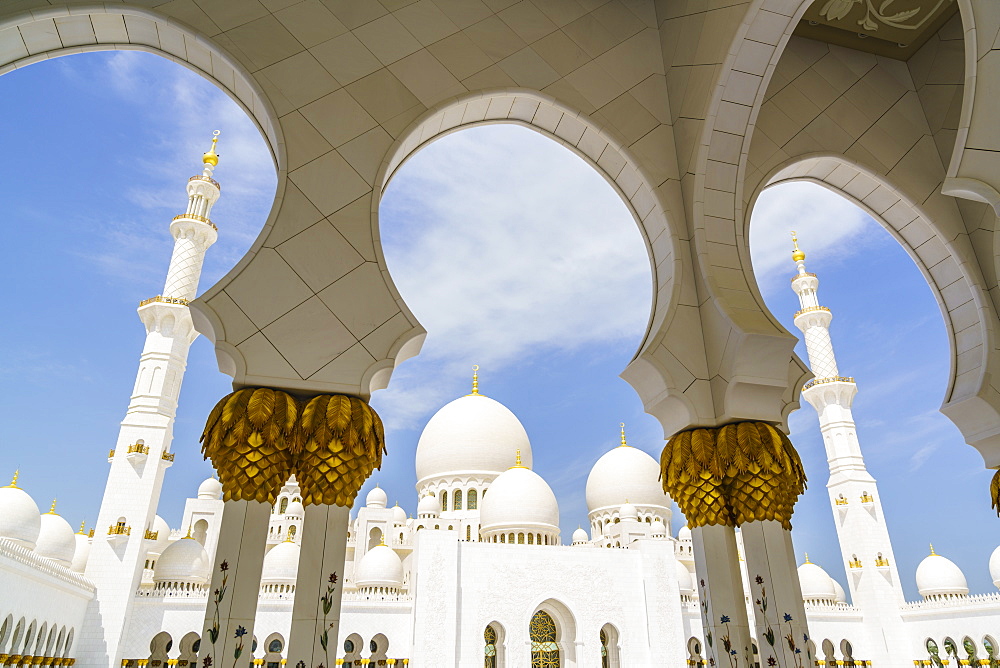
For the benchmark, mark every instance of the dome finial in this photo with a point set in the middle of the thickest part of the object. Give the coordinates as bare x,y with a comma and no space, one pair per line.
189,533
797,254
13,482
807,558
52,510
517,460
211,157
475,379
933,553
83,525
624,444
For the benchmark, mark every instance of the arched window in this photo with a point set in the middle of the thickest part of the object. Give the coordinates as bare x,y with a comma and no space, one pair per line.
374,537
400,538
471,500
291,531
544,650
609,647
468,532
457,500
503,538
520,539
283,506
444,501
510,537
605,660
490,635
531,539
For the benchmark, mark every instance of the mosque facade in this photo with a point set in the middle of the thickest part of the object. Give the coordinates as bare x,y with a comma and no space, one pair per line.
482,575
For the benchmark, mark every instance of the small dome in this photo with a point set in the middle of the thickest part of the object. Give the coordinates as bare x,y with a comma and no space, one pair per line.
398,515
210,489
841,596
684,533
626,473
81,553
995,567
580,537
296,509
55,539
429,505
380,567
20,520
938,576
376,498
281,564
184,560
472,434
628,512
658,528
685,583
519,499
162,531
816,584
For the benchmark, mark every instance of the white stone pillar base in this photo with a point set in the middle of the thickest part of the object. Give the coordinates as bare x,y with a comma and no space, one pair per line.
227,636
720,593
315,635
779,612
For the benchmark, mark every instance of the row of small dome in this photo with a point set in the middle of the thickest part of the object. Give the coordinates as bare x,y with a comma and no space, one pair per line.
47,535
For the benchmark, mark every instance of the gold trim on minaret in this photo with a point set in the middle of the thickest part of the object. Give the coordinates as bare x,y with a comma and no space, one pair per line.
211,157
797,254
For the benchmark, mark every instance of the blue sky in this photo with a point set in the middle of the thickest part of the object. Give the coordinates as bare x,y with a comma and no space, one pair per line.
511,251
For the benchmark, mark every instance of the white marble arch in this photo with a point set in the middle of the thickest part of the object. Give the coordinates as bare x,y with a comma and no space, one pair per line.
967,311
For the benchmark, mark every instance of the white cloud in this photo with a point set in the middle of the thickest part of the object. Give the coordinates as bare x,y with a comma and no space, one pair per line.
827,224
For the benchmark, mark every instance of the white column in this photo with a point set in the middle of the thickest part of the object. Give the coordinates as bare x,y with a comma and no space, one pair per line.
720,594
315,633
227,634
776,596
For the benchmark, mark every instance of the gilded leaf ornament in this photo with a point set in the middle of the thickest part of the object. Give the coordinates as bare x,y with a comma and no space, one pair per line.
738,473
257,437
995,492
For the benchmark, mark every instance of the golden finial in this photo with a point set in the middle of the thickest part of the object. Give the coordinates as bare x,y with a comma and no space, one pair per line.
52,510
807,558
189,533
624,444
83,525
797,254
933,553
212,158
475,379
517,460
13,482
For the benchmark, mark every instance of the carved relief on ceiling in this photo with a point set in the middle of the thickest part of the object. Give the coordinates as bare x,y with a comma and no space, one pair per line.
893,28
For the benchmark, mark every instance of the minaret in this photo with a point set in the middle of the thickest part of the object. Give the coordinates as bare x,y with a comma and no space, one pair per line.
142,452
857,508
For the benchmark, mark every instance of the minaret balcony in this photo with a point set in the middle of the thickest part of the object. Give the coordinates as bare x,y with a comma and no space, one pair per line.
208,179
833,390
137,453
192,216
813,316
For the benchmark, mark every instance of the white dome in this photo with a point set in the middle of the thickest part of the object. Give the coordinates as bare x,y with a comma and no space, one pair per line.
81,553
429,505
841,596
55,539
398,515
184,560
296,509
376,498
20,520
580,536
628,512
938,576
658,528
995,567
471,434
684,533
210,489
281,564
162,530
519,499
684,580
626,473
380,567
816,584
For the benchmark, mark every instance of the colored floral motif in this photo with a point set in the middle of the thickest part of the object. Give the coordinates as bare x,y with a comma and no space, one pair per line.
240,632
207,662
327,602
217,596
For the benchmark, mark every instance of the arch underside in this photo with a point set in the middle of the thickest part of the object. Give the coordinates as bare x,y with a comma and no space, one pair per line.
687,142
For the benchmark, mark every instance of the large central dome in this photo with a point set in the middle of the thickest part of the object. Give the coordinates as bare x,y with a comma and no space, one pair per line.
472,434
